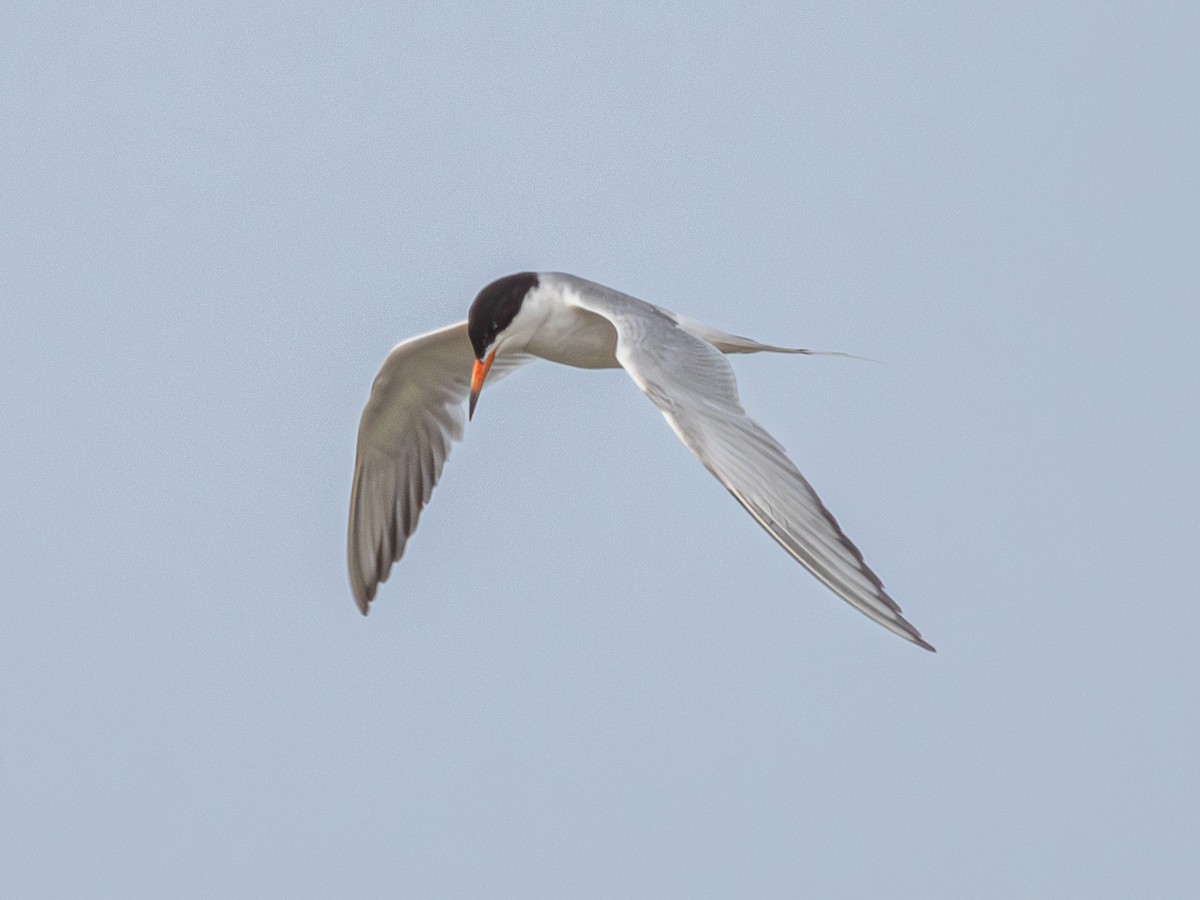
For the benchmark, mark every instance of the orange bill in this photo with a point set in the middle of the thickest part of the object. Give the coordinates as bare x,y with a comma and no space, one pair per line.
478,374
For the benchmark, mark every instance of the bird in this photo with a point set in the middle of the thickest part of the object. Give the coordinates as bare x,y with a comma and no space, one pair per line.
415,412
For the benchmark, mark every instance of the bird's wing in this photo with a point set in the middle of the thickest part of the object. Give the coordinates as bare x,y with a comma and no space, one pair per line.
693,386
414,413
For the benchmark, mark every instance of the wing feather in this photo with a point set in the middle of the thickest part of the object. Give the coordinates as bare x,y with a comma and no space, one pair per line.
414,414
693,385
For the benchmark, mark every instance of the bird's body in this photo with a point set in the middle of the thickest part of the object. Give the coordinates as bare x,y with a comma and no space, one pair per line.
554,330
416,410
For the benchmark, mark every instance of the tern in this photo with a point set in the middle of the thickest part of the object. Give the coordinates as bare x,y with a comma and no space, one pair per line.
415,412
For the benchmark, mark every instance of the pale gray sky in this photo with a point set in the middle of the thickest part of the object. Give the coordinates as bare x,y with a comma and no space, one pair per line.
593,675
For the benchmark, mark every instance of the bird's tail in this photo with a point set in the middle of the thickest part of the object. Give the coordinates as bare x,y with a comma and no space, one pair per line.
735,343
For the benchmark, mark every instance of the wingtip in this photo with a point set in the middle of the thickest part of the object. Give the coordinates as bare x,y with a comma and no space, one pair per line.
362,598
913,636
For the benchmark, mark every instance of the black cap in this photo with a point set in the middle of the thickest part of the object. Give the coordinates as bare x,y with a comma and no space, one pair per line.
495,307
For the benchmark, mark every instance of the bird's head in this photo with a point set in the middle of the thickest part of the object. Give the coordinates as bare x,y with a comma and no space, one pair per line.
493,311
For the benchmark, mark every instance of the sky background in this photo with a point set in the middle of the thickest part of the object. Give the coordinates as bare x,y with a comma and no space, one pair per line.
593,675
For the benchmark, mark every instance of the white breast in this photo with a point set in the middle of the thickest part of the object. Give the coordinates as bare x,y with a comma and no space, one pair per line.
548,327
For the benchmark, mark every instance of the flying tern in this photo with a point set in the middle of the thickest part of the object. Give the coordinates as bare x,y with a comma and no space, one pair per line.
415,412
